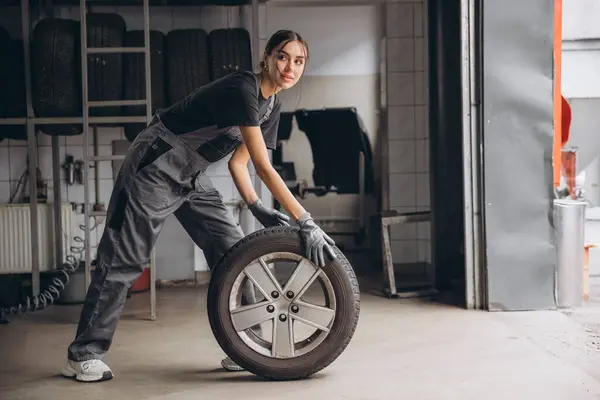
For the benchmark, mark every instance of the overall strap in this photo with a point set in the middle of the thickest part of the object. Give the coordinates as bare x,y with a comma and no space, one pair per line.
269,110
271,102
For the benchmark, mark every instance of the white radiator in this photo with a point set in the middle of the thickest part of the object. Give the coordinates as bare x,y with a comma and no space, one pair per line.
15,237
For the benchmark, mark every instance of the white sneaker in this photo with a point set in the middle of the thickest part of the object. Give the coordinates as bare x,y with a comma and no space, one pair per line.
87,371
230,365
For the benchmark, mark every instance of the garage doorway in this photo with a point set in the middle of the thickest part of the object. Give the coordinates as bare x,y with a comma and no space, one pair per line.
454,156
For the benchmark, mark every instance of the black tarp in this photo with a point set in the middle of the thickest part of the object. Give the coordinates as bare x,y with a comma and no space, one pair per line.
517,146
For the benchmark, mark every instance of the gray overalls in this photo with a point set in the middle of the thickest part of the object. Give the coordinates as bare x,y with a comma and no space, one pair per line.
162,174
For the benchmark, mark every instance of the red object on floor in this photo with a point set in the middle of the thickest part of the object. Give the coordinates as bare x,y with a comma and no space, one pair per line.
142,283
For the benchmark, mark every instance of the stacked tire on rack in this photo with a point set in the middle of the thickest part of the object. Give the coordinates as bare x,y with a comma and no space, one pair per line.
56,74
187,65
105,71
181,61
12,86
134,73
230,51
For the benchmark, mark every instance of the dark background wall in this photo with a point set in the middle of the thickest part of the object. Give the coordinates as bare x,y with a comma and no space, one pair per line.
517,146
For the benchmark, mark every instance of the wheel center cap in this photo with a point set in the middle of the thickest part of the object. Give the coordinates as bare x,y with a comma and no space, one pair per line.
283,305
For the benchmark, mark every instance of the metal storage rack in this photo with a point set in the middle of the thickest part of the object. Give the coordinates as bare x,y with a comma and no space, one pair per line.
30,121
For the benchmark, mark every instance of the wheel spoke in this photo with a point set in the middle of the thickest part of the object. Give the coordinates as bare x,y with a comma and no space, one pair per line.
247,316
315,316
283,338
302,277
262,277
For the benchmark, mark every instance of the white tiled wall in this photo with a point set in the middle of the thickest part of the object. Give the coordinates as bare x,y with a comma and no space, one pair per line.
408,143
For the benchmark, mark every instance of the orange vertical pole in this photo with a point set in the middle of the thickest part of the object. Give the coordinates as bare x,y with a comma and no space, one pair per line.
556,150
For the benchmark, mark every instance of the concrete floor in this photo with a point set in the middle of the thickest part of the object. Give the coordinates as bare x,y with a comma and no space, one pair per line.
402,349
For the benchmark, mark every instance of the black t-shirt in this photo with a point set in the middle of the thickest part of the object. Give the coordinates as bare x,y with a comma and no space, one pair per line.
234,100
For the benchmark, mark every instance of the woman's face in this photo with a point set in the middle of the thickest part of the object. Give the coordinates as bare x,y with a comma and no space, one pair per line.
285,64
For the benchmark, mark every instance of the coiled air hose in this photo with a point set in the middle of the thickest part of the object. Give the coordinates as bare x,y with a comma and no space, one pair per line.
58,284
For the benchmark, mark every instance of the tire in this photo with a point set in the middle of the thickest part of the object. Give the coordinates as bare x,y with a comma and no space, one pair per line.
134,71
5,78
187,65
56,73
12,79
347,301
230,51
13,103
105,71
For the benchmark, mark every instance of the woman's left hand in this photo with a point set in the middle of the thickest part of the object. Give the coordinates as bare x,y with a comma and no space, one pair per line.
268,216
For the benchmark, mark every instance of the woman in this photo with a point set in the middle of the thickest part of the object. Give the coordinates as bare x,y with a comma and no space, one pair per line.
163,174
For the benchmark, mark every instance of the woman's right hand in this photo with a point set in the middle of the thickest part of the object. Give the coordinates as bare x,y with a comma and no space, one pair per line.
316,241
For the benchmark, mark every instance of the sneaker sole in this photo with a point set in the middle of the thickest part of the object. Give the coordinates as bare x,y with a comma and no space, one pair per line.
106,376
69,372
231,368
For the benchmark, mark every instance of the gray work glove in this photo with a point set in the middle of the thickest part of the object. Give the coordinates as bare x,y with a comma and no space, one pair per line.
317,242
268,216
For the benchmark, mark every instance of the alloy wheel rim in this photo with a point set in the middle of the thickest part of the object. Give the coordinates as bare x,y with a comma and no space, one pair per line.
283,305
